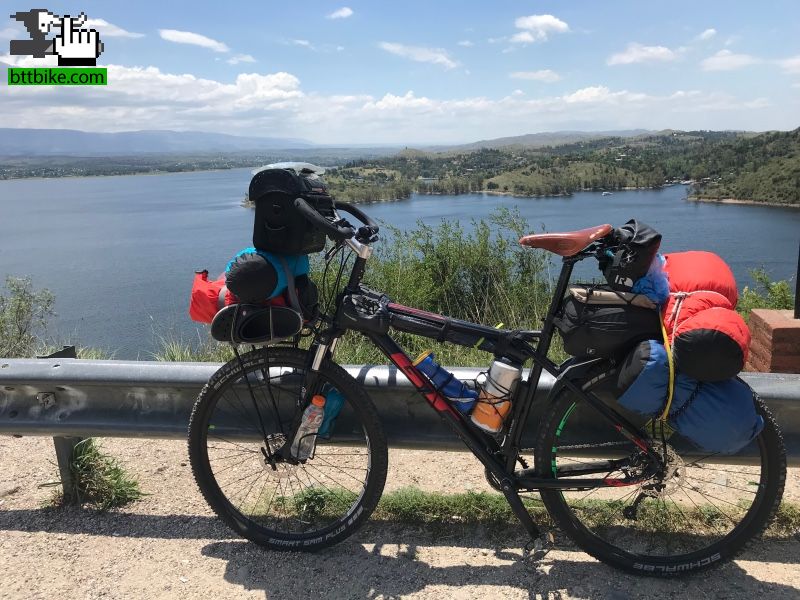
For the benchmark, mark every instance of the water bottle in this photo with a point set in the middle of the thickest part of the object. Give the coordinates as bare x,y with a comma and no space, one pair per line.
462,397
333,406
303,445
494,399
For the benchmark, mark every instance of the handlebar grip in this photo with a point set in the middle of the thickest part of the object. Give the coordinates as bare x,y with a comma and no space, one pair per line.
333,231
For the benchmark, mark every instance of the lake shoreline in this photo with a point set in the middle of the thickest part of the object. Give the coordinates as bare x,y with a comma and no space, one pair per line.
137,174
740,201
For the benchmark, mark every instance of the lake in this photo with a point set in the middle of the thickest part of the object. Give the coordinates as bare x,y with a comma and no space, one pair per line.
119,253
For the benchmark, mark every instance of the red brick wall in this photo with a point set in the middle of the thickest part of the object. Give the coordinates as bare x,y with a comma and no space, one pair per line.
775,345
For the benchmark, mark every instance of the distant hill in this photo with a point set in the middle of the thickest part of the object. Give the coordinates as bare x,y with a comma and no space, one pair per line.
69,142
541,140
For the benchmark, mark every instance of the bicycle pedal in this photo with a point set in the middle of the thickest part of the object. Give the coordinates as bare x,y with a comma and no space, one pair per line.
537,549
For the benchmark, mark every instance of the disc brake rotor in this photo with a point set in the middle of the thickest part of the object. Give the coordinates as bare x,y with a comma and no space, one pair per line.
670,480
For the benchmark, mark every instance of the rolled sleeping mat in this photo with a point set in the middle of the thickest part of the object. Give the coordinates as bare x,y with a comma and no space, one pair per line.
255,324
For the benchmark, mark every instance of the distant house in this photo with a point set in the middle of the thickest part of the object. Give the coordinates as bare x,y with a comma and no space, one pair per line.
427,180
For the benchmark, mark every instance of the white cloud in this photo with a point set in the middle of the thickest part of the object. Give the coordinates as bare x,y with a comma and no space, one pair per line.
725,60
149,98
466,43
522,37
303,43
638,53
50,60
796,85
707,34
10,33
194,39
537,28
791,64
107,29
436,56
546,75
341,13
240,58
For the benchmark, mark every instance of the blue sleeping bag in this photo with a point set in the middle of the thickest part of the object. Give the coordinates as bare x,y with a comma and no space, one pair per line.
716,416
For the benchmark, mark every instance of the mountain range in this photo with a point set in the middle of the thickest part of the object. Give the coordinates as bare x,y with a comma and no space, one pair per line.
70,142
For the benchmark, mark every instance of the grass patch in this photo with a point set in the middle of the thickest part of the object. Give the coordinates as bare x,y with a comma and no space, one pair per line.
412,506
99,480
174,349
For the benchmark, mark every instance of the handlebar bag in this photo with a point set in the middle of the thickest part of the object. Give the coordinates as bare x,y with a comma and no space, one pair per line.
278,226
598,321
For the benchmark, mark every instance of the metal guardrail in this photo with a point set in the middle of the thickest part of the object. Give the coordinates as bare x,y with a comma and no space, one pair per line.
70,398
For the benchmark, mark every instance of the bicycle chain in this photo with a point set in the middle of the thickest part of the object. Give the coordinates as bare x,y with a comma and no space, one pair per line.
584,446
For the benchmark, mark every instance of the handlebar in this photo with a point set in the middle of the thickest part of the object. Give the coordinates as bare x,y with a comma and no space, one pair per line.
336,232
358,214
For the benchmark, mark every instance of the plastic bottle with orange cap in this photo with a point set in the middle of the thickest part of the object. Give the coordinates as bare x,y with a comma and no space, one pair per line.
303,444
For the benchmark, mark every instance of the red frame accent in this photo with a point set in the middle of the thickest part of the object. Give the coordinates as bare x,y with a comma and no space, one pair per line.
434,398
416,312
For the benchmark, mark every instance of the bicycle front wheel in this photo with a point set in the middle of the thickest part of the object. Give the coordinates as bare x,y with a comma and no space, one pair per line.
243,416
697,512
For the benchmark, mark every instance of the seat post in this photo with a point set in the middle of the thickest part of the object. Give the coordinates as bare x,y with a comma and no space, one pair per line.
543,346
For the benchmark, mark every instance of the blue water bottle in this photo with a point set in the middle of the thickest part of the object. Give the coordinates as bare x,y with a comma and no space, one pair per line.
462,397
333,406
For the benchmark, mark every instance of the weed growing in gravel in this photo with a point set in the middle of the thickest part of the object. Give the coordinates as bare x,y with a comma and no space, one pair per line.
99,480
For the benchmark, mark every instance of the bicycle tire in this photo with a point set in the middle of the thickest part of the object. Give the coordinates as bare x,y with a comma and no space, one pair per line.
318,508
595,533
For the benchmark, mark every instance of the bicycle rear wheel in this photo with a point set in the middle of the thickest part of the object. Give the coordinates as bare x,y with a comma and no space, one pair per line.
699,512
242,417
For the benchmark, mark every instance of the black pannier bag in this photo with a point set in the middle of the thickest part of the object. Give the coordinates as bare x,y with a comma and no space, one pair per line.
278,226
637,245
597,321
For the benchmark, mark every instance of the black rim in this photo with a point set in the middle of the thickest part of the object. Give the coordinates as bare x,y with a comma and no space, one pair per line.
278,498
692,510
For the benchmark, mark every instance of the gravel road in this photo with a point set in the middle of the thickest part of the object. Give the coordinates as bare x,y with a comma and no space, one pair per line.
169,545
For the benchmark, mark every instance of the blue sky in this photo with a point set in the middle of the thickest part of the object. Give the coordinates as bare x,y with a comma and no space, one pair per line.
424,72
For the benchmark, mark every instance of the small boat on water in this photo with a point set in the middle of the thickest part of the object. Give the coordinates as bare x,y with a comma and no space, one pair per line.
606,193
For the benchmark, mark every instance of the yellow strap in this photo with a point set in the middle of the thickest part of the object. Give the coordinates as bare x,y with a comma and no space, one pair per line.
480,341
671,385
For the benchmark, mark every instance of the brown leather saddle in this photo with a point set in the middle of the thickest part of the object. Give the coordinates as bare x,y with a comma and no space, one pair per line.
567,243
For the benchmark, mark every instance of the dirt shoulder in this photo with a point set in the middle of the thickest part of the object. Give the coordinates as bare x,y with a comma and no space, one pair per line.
169,545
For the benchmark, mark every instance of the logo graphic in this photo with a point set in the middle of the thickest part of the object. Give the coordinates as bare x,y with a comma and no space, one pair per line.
75,47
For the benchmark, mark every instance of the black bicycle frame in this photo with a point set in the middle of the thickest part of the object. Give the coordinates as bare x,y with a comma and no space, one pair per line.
499,457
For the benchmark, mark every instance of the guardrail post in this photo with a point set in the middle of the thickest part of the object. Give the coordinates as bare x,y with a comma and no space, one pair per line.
65,445
65,449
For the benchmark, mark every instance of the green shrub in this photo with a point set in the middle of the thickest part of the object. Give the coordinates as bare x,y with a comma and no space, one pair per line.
480,275
765,294
99,480
23,317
